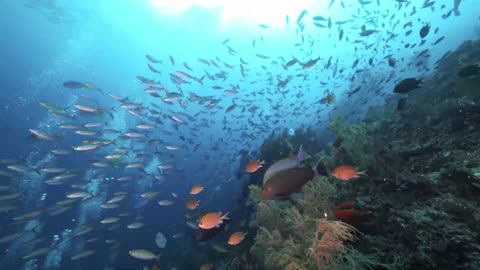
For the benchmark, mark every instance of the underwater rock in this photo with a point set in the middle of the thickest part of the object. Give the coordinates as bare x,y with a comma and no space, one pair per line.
469,71
402,103
458,124
459,176
418,150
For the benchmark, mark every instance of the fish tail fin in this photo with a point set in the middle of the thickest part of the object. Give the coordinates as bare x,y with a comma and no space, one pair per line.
225,216
320,168
364,173
302,155
157,258
262,162
66,108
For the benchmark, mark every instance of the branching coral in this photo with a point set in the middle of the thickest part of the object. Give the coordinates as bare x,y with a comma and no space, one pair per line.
297,221
353,259
269,215
318,193
254,196
329,241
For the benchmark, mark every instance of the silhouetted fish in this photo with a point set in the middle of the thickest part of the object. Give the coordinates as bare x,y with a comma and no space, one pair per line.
407,85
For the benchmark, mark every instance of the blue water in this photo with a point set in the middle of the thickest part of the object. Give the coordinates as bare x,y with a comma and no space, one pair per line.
46,43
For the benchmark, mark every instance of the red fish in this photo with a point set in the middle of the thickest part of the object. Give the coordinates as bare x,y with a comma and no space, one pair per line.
348,213
345,172
254,165
212,220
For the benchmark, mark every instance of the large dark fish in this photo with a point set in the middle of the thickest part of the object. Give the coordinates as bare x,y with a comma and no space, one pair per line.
284,183
424,31
407,85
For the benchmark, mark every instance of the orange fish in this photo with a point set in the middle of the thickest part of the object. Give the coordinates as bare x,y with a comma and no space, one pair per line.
196,189
192,204
236,238
345,172
254,165
211,220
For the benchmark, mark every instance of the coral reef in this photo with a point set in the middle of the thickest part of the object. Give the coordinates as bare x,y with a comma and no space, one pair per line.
423,191
299,234
422,188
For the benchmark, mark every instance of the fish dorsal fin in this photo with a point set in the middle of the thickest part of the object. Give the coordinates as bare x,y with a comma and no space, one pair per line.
302,155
